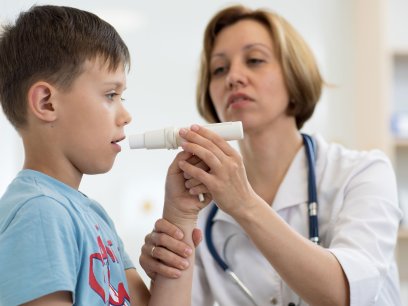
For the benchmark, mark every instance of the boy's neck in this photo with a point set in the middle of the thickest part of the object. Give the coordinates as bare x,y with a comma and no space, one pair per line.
43,157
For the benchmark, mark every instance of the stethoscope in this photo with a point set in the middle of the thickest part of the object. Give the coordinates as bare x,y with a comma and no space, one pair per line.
312,212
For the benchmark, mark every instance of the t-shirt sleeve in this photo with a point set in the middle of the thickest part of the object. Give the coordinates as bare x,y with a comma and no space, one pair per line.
38,252
127,262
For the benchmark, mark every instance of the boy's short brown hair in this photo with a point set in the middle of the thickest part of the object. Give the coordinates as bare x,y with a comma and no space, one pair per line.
51,43
300,70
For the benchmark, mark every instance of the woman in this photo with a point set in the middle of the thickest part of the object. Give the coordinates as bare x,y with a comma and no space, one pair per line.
257,69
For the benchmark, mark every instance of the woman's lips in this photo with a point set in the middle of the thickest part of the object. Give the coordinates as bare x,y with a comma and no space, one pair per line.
238,100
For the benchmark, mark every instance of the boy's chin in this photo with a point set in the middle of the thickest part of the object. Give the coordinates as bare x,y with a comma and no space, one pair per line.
98,170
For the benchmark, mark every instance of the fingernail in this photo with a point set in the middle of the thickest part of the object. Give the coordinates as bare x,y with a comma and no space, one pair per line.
176,274
184,264
179,234
188,251
195,127
182,131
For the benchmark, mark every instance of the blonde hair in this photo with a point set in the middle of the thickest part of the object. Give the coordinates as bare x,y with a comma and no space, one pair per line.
299,67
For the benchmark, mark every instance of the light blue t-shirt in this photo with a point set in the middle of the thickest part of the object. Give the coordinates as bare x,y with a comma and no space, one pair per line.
54,238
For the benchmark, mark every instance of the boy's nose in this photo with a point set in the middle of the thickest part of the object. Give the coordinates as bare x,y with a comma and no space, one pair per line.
124,118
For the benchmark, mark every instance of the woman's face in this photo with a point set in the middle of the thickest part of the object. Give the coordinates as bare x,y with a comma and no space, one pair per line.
246,81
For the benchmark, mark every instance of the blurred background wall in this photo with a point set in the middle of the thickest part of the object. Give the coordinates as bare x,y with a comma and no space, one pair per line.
361,47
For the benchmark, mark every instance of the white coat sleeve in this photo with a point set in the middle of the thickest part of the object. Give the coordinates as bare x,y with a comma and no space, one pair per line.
201,295
365,229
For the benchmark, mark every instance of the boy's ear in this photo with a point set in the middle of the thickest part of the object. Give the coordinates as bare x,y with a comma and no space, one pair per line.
41,101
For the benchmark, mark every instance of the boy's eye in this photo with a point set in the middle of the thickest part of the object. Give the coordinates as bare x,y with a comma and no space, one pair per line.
112,95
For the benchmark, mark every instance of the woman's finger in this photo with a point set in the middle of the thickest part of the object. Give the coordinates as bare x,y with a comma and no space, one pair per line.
173,245
192,183
165,256
194,160
164,226
196,143
214,138
153,266
195,173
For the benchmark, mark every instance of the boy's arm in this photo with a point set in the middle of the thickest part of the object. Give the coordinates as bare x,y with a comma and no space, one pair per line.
181,209
176,291
59,298
139,294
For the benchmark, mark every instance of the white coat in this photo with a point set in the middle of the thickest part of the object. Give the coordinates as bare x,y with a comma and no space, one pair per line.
358,223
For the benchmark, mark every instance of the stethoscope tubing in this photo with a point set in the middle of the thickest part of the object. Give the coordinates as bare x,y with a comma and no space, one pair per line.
312,215
312,188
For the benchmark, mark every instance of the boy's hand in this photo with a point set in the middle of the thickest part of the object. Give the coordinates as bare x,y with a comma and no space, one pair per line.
180,204
164,253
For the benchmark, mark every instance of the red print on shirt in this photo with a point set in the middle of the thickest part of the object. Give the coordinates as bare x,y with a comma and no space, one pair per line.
117,297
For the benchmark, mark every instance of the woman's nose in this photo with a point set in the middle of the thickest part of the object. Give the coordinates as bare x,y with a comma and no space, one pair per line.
236,78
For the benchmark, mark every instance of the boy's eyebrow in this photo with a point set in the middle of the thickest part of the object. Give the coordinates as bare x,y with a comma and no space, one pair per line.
116,84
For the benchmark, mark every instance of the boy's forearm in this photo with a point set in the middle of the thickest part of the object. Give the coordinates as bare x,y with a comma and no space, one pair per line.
168,291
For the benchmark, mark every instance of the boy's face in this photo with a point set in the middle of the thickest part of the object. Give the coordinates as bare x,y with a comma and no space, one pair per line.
91,118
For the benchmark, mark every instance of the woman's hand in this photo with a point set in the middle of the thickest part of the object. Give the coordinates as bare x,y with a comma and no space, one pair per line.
225,179
164,253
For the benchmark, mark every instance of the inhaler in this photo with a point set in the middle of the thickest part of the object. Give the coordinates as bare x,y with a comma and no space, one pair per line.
169,138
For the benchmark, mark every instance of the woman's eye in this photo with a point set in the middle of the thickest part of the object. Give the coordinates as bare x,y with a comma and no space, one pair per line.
255,61
218,70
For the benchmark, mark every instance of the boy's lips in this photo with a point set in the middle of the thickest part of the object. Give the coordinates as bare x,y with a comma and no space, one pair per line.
119,139
116,145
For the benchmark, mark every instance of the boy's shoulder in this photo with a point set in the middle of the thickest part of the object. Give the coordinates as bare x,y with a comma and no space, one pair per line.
37,235
32,195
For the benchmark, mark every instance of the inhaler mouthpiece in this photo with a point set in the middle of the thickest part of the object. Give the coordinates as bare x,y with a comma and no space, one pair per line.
169,138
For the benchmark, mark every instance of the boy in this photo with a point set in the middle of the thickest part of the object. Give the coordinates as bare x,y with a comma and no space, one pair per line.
62,74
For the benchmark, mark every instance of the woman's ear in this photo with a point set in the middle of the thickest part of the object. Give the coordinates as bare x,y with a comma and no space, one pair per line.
41,101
